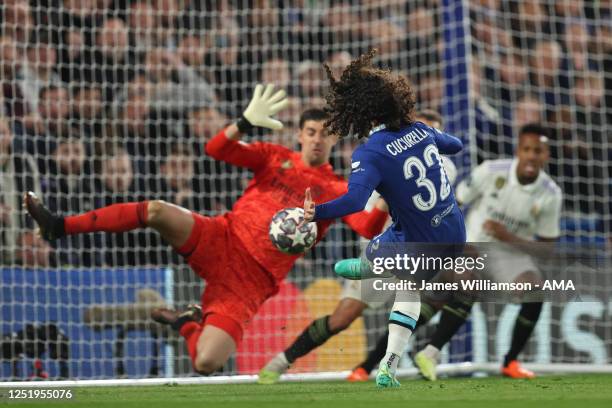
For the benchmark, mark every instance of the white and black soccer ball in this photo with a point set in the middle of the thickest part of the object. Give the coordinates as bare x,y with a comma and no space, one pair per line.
287,237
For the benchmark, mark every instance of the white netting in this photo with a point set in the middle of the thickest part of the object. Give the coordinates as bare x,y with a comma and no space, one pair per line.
111,101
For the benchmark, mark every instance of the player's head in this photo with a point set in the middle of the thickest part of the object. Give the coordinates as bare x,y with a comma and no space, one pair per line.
430,117
364,97
315,141
532,152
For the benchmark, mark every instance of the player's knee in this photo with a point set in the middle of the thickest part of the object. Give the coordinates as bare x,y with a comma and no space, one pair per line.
345,315
339,323
206,365
155,211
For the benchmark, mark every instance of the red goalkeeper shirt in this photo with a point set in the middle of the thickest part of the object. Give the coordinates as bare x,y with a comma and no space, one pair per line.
280,179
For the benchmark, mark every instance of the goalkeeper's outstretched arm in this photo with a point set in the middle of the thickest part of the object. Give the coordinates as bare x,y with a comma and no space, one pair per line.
263,105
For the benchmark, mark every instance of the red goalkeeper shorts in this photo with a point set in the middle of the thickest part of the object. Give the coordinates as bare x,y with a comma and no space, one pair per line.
236,285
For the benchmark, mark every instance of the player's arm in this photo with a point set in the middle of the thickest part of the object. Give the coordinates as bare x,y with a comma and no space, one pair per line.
499,231
446,143
363,180
471,188
226,145
369,224
353,201
547,230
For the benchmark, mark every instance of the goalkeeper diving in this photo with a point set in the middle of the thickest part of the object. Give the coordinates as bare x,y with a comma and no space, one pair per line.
242,268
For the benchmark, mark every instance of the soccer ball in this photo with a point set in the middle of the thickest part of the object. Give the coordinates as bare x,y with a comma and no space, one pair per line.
287,237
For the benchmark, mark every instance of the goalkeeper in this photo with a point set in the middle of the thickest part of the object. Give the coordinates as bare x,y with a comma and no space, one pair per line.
231,252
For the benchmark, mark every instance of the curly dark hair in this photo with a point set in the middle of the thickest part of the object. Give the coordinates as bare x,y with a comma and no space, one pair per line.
365,97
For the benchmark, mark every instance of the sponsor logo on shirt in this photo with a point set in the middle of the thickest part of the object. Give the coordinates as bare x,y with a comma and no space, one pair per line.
436,220
356,168
513,224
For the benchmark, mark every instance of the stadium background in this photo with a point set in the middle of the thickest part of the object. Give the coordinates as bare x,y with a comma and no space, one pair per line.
106,101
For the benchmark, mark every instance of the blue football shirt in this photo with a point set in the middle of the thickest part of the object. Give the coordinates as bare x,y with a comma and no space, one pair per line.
405,168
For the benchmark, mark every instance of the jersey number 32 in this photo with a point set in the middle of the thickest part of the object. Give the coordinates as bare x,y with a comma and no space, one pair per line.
431,156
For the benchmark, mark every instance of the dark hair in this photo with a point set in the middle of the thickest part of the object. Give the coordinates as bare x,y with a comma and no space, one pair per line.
365,96
533,128
316,114
430,115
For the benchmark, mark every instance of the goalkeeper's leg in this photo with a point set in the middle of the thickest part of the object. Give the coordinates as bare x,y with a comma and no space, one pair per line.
174,223
313,336
209,343
402,322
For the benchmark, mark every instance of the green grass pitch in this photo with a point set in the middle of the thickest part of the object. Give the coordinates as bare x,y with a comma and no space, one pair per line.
582,391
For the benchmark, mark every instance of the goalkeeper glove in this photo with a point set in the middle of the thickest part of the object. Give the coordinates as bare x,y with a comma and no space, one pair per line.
264,104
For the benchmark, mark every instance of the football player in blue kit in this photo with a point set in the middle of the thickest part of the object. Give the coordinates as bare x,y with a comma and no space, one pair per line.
401,161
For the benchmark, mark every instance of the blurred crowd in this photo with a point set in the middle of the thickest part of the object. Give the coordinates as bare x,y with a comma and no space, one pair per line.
109,101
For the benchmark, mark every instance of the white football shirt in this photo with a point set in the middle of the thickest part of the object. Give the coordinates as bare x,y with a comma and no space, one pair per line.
494,192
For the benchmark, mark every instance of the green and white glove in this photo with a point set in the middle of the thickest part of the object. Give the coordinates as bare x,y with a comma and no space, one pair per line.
264,104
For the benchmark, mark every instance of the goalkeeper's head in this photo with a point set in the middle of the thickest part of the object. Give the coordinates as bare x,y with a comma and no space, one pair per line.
364,97
316,142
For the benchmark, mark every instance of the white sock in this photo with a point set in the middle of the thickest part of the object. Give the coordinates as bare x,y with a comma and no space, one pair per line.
402,320
278,364
391,360
431,352
398,339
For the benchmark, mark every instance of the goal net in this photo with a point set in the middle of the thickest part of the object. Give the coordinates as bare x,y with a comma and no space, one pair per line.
112,101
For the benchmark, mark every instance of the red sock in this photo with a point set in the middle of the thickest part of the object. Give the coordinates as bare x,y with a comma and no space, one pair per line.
114,218
191,332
